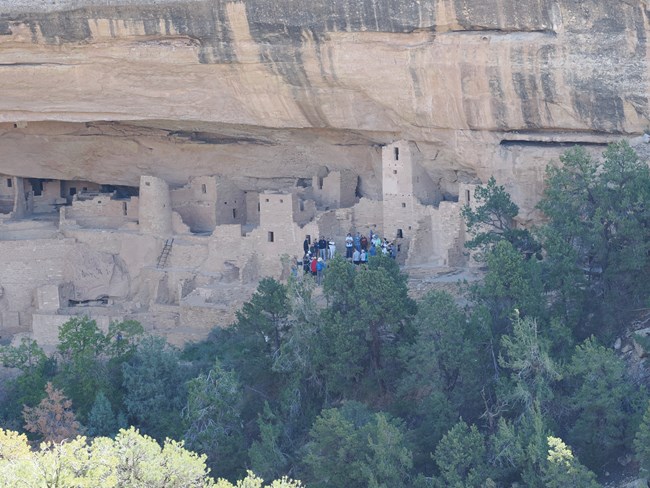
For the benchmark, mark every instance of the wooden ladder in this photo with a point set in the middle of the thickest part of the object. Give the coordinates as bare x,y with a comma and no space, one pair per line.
167,249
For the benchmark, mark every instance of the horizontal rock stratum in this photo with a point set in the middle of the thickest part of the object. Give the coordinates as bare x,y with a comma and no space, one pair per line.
266,91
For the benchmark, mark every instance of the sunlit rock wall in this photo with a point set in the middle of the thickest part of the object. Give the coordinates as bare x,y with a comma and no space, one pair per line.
266,91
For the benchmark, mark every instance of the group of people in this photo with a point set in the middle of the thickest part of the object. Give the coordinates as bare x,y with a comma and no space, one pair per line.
358,249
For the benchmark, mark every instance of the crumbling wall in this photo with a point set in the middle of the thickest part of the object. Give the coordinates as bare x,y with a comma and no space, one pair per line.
49,198
208,201
336,190
102,212
7,194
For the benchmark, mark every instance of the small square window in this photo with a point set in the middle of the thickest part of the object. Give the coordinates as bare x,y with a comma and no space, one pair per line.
270,236
147,183
394,171
267,199
403,205
281,201
9,182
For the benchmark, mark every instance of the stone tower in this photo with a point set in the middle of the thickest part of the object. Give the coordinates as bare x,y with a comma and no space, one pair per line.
155,208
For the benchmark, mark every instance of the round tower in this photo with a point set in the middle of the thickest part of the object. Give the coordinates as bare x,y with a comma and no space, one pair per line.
155,208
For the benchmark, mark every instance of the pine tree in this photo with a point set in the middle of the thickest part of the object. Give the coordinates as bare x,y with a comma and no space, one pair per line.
101,419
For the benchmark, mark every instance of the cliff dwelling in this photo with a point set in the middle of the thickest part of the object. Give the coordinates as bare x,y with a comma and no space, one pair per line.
158,158
180,258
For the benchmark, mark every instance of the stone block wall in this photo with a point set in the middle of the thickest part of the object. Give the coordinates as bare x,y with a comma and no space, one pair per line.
367,215
28,265
102,212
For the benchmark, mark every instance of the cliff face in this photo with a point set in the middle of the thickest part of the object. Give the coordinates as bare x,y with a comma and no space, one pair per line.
107,90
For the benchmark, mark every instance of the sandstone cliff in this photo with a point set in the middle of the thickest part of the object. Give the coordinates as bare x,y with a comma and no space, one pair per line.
107,90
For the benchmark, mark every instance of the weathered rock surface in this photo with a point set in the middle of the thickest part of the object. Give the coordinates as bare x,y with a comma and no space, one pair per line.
107,90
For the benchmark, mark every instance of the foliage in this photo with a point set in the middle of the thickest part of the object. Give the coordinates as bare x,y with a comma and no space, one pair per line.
154,388
563,469
511,282
460,457
642,443
526,355
492,219
252,481
212,414
91,360
361,337
445,370
52,420
597,238
29,387
102,421
605,405
128,460
351,447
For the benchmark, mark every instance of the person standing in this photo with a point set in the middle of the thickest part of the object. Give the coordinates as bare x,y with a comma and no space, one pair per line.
357,241
313,266
305,245
322,248
364,243
320,270
349,243
332,248
356,257
363,258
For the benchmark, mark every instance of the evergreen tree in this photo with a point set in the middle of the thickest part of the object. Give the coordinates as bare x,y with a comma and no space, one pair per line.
605,404
563,469
351,447
461,458
597,238
492,219
213,414
101,419
155,390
